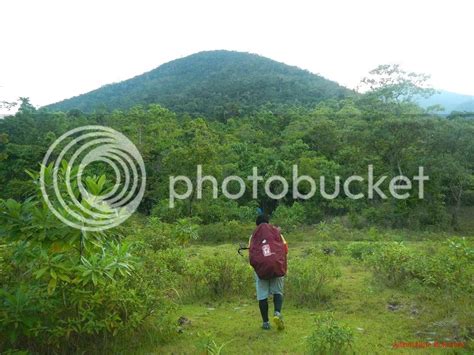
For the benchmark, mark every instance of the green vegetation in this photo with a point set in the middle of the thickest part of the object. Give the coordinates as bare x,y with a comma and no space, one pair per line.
335,138
188,296
329,337
215,84
62,287
363,274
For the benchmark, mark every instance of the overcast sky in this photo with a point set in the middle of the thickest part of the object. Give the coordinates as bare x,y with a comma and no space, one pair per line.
52,50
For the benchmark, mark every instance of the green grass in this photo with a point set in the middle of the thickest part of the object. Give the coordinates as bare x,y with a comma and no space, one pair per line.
357,300
363,309
355,303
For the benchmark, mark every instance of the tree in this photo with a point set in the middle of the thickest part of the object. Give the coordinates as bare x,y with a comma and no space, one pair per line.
25,105
390,89
391,83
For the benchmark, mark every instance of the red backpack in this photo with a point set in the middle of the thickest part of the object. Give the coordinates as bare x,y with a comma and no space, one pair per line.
267,252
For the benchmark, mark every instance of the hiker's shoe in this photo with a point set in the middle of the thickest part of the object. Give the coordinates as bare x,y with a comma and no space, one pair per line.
266,325
278,321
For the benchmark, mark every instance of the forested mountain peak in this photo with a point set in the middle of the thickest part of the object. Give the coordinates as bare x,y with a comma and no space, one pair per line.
214,84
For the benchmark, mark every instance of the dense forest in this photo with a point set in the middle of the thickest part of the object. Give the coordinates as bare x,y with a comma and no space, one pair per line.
214,84
337,137
65,290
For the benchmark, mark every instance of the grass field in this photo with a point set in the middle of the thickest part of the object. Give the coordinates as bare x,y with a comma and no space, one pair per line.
379,316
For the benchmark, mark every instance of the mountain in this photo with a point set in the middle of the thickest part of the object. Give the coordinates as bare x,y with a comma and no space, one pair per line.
216,84
450,102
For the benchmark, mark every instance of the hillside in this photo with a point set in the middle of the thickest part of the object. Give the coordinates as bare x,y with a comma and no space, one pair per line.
215,84
450,102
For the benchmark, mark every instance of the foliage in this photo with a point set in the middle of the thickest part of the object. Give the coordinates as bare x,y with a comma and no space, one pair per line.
335,138
232,231
391,263
362,250
63,290
289,218
208,345
221,274
63,287
446,266
329,337
308,279
241,83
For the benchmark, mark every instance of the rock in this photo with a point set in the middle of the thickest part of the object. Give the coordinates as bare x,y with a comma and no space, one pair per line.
328,250
393,306
183,321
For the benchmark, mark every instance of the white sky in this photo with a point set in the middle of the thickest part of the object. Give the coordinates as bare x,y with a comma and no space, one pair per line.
51,50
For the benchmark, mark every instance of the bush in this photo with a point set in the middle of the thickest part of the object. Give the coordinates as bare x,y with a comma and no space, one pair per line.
206,209
159,235
64,305
289,218
391,263
163,212
329,337
333,231
65,288
231,231
222,274
448,265
308,279
362,250
223,210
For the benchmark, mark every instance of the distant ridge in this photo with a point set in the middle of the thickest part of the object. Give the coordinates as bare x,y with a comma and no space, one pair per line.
450,102
215,84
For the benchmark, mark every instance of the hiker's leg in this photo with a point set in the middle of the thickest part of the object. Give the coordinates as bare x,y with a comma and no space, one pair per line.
263,291
276,289
277,302
263,305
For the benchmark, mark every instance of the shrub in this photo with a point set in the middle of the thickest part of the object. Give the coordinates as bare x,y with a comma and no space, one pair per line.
159,235
308,279
390,263
231,231
153,235
329,337
333,231
223,210
448,265
66,288
289,218
166,214
61,303
222,274
185,230
362,250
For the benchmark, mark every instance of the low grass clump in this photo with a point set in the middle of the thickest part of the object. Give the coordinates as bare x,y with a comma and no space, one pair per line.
329,337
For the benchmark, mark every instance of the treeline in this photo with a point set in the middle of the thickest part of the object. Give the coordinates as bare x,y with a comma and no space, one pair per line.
335,138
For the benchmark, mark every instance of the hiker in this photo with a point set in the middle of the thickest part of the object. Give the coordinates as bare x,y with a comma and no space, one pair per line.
267,254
